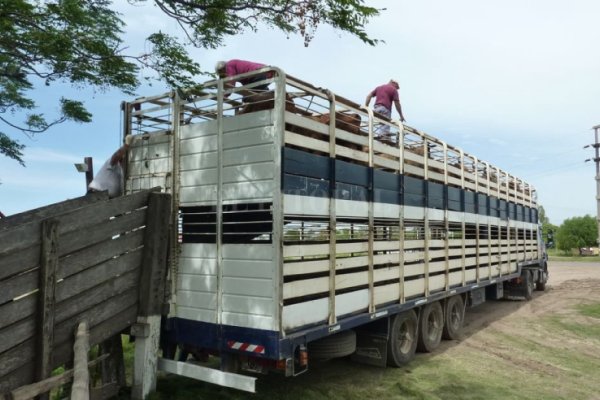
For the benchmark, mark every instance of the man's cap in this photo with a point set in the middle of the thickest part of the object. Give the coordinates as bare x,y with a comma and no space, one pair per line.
394,82
220,65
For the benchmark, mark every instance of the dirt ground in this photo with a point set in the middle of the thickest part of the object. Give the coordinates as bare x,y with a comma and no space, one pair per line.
569,284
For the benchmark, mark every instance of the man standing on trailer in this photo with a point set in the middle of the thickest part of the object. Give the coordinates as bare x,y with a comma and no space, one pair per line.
235,67
385,95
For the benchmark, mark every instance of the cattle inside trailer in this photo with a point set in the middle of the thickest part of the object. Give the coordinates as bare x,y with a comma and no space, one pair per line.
299,235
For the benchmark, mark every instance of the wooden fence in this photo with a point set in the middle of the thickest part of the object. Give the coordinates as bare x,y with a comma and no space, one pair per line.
92,258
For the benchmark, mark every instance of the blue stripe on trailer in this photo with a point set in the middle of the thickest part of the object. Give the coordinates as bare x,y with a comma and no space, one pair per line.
307,174
213,336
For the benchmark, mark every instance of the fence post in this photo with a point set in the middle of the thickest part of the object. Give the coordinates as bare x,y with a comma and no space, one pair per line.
113,368
152,293
46,299
81,376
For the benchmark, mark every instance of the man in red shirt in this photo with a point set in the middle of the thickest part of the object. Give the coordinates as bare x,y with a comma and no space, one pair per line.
237,67
385,95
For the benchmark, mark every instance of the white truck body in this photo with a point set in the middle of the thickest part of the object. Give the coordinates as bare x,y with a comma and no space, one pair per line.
289,229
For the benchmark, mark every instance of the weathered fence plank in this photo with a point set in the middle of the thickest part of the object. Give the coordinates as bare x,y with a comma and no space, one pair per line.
17,332
97,295
95,315
27,282
154,271
17,377
91,277
99,252
101,231
19,261
51,210
29,258
85,218
98,333
100,314
19,285
16,357
113,368
17,310
46,298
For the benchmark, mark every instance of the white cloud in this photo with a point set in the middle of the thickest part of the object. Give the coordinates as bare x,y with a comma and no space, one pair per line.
40,154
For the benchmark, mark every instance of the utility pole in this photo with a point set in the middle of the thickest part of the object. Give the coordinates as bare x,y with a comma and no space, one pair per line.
596,159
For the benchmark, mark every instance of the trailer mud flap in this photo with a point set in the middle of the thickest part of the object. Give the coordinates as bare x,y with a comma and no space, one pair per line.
495,292
477,296
371,349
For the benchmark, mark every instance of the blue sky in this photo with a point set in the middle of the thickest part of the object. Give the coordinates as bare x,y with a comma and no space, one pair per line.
515,83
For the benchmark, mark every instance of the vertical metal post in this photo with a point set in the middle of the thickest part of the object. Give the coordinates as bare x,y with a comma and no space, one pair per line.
89,171
446,221
278,197
332,208
597,160
176,121
401,213
219,203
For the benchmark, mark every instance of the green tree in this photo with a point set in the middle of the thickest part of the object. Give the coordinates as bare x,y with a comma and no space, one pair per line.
548,229
81,42
577,232
543,218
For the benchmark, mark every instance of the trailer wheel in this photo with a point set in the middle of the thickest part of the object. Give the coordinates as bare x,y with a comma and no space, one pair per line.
402,343
431,325
528,283
541,283
339,345
540,286
453,318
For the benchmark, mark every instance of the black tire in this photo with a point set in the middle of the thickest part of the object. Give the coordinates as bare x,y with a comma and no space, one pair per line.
541,283
540,286
431,325
339,345
402,343
454,316
528,284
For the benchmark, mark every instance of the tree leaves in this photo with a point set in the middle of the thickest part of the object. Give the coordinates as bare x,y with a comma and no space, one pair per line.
577,232
171,61
11,148
81,42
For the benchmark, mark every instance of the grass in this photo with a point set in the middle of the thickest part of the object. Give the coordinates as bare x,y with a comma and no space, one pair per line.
556,255
589,310
583,329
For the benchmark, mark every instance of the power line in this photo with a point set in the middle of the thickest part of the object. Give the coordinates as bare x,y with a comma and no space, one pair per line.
557,168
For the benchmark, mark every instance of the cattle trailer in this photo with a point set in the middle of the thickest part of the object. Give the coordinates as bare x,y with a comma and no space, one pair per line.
308,227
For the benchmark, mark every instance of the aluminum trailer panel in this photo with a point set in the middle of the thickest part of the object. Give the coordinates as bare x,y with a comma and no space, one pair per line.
295,221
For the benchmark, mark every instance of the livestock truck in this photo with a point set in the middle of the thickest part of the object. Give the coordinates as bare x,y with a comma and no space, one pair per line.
300,233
